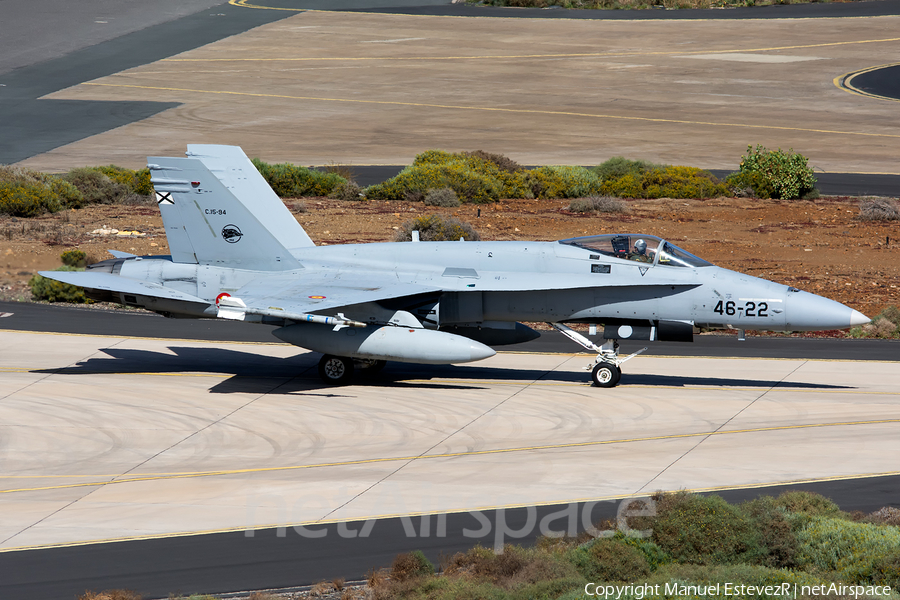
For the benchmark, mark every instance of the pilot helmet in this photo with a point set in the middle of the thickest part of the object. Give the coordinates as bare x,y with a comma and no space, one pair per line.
640,246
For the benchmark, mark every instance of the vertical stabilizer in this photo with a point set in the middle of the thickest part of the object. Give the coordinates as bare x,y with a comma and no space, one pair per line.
207,224
232,167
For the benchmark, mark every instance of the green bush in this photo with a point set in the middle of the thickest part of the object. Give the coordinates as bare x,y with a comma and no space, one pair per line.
682,182
619,166
25,193
849,549
663,182
504,163
808,504
56,291
437,228
138,182
472,177
751,575
548,590
108,184
97,187
776,534
610,559
774,174
704,529
73,258
886,569
562,182
291,181
27,199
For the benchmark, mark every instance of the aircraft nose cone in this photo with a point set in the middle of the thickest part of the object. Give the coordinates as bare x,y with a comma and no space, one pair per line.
857,319
808,312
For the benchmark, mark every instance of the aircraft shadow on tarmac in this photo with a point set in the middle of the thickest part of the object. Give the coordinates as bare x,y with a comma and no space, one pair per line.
259,374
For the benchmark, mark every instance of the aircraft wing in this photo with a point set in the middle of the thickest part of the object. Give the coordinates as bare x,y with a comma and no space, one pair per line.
317,292
115,283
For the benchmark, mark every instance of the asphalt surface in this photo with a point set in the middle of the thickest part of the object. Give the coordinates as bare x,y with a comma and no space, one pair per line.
35,61
227,562
883,82
128,323
32,126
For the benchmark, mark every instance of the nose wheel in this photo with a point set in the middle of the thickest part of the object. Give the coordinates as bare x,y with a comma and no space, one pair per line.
606,369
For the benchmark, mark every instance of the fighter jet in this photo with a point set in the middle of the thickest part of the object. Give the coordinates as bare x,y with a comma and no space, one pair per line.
237,253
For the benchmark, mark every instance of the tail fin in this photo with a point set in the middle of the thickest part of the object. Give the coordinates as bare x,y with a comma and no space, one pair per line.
208,224
232,167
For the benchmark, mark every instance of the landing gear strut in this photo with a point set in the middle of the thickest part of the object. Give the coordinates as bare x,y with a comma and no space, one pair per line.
605,370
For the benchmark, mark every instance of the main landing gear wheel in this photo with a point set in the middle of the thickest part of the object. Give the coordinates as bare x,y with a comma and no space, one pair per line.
606,375
336,370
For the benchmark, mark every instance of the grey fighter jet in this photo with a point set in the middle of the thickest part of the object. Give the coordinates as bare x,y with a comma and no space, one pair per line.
238,253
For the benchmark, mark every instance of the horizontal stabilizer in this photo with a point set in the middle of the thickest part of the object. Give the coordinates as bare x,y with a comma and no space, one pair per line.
115,283
120,254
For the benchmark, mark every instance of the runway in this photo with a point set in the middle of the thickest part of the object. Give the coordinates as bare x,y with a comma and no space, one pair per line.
121,438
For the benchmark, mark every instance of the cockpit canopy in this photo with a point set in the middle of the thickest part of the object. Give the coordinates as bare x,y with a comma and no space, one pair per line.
639,248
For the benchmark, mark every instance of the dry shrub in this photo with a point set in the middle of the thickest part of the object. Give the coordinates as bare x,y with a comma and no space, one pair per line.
97,187
504,163
298,207
443,197
543,567
344,171
320,589
885,324
263,596
484,564
598,204
885,516
338,583
349,190
437,228
878,209
411,565
111,595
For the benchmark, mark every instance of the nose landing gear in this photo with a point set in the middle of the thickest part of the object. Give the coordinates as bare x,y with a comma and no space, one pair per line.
606,369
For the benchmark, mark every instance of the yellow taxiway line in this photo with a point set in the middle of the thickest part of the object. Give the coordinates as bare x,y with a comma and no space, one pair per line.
369,461
845,82
175,534
517,111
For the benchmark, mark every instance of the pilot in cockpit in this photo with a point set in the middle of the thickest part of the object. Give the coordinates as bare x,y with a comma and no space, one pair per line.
640,252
